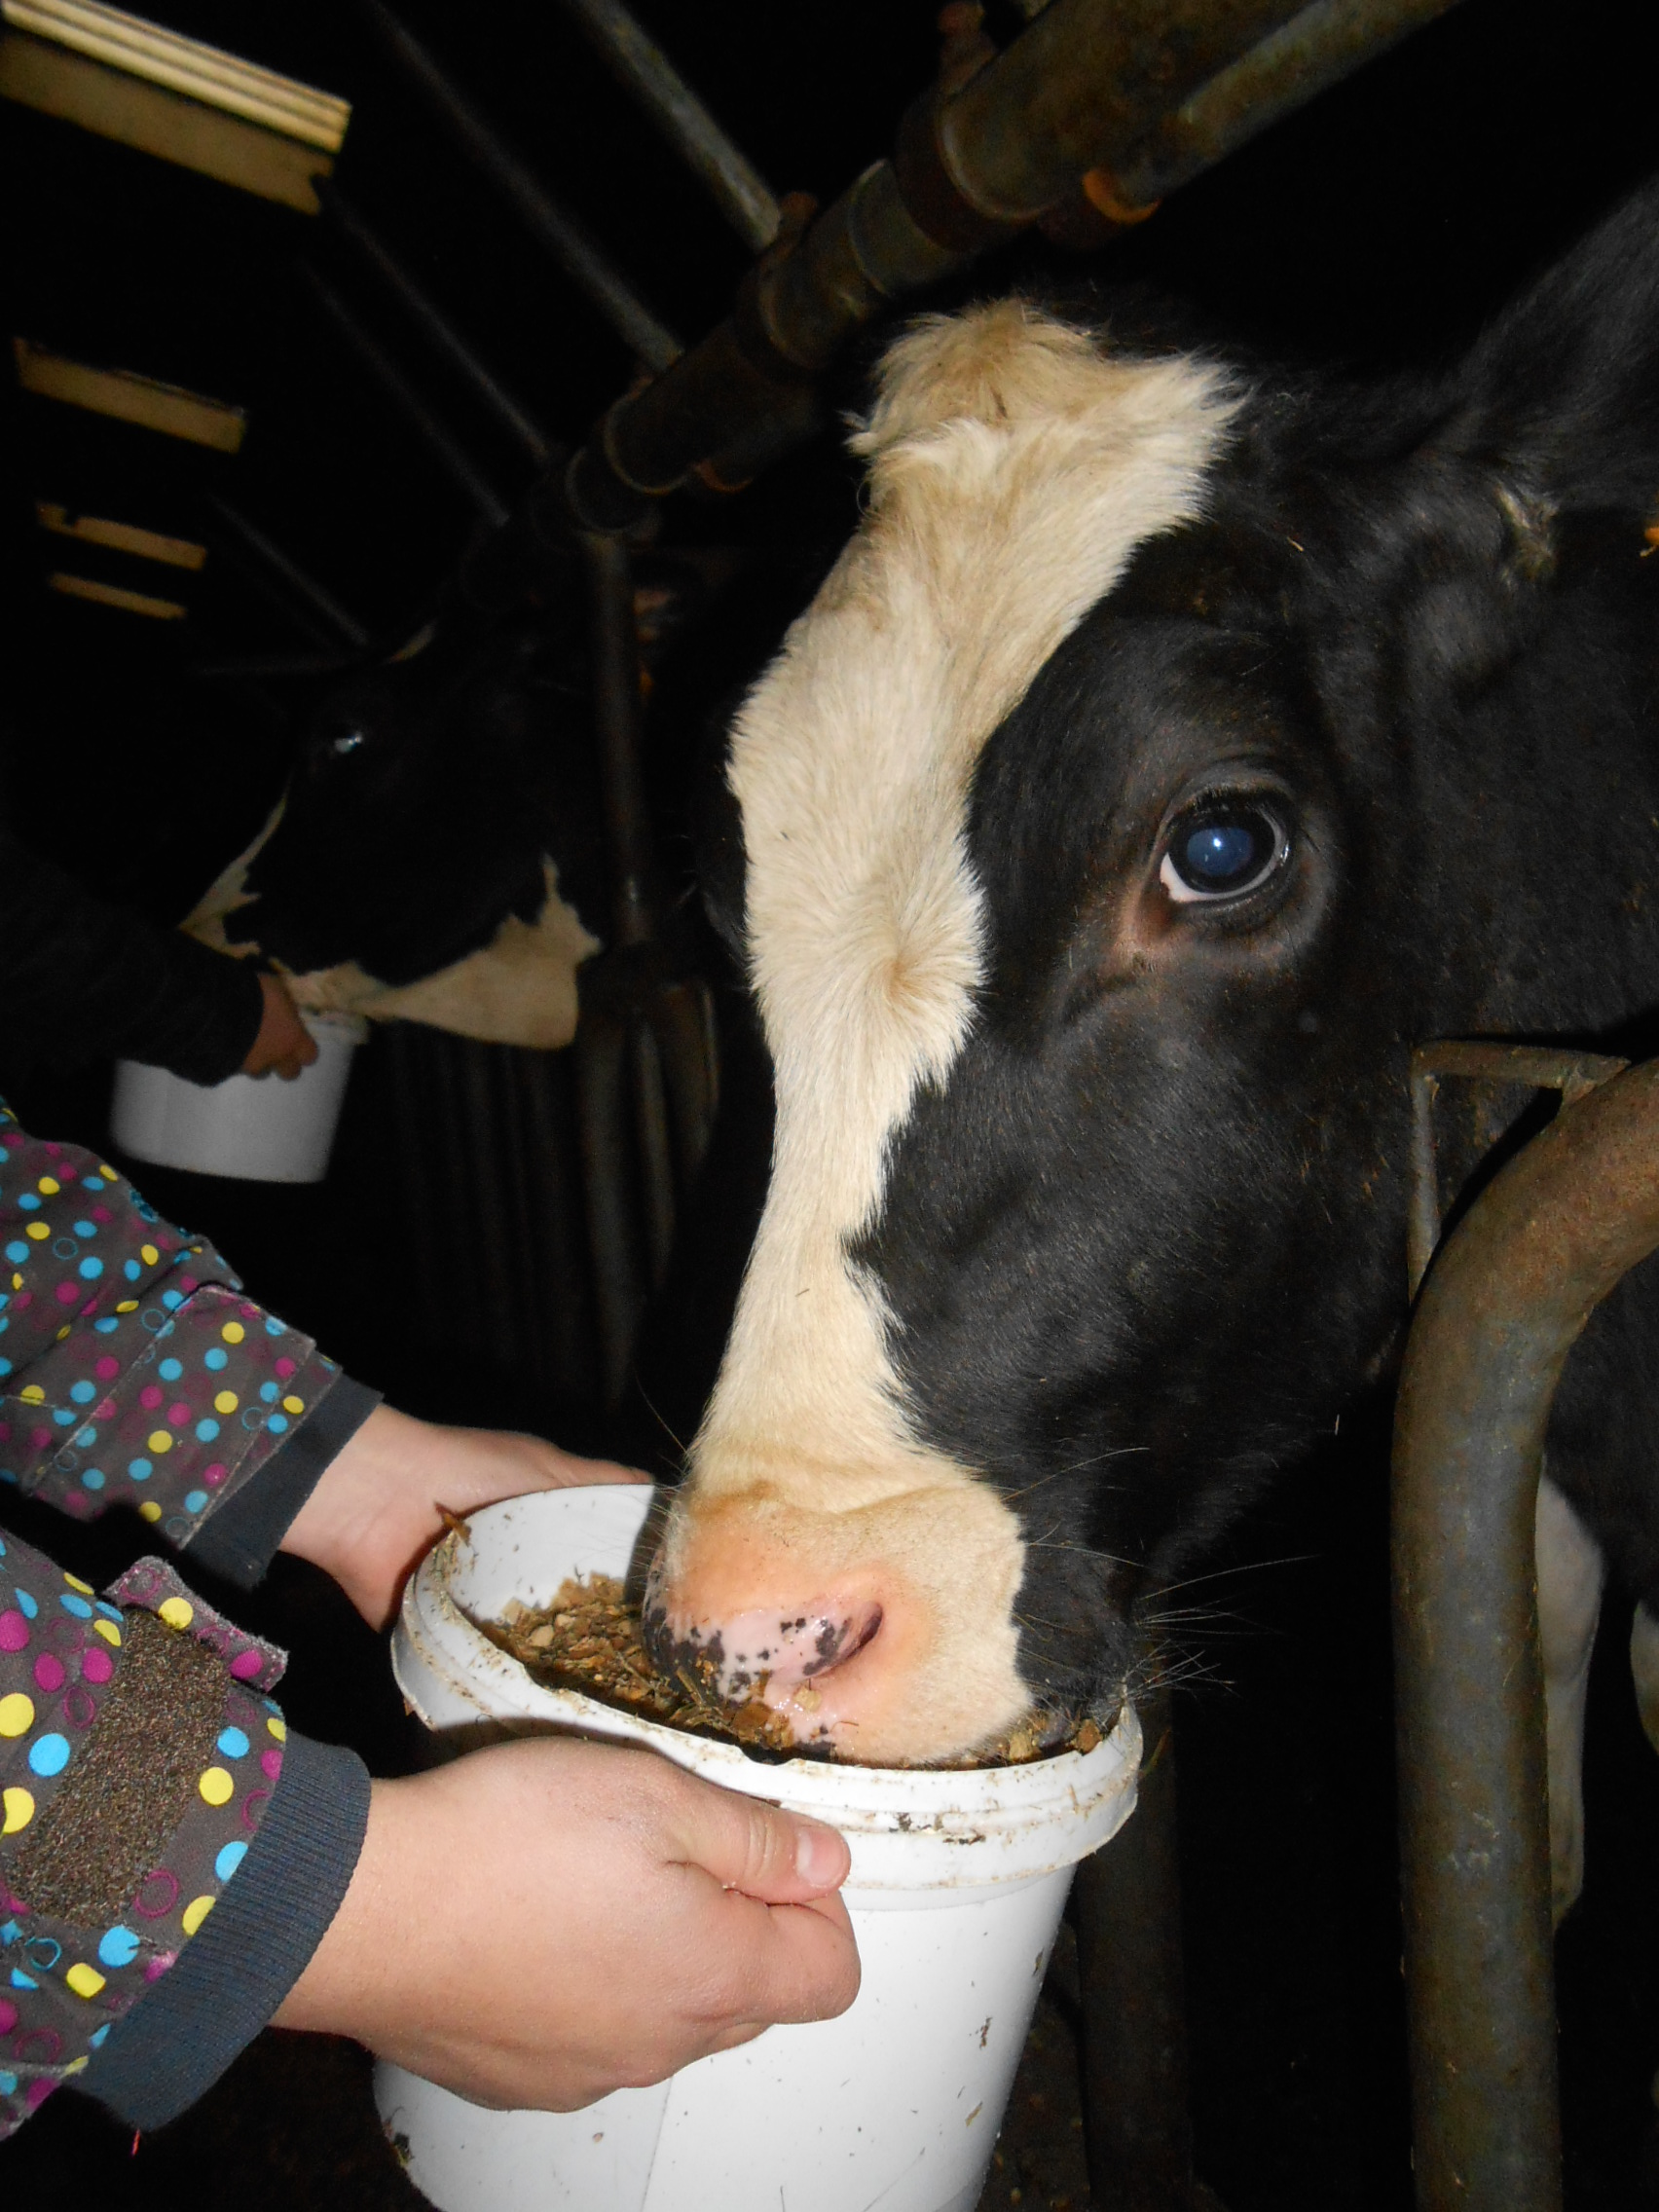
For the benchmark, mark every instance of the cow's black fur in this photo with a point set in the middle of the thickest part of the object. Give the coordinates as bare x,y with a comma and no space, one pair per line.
1148,1238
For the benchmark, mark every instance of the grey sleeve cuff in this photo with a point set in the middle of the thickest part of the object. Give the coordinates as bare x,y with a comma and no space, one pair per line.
250,1950
241,1538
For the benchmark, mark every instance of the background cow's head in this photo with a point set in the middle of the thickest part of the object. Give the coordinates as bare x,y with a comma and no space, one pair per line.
1166,754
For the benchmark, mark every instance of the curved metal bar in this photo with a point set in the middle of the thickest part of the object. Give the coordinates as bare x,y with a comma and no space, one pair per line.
1502,1308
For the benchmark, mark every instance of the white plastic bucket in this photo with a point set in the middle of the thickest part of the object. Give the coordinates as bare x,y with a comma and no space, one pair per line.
257,1128
957,1886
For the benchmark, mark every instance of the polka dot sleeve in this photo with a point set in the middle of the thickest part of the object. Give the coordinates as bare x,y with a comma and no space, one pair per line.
132,1368
138,1754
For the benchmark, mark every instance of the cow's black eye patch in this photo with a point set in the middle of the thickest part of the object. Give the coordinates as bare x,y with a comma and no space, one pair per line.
1222,849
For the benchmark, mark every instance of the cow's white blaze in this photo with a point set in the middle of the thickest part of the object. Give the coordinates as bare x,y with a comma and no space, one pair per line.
1014,468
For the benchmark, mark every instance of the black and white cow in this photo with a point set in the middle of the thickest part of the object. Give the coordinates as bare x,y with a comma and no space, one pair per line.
1172,747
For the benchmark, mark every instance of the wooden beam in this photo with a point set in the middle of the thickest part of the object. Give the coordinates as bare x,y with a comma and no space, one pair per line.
158,121
120,536
116,595
130,398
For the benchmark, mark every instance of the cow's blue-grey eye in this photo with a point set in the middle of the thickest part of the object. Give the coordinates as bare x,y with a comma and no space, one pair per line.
1222,851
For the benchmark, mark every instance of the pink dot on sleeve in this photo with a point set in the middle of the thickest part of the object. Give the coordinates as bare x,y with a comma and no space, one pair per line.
151,1396
14,1632
246,1665
96,1665
271,1763
106,1369
8,2015
49,1673
285,1368
178,1415
66,1293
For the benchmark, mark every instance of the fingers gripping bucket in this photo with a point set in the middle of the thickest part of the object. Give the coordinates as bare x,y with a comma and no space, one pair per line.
957,1886
256,1127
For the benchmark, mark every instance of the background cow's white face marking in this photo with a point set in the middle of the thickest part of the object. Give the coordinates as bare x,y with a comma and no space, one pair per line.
1014,468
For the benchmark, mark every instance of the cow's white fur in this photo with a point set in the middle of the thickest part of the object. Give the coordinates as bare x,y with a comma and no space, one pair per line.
1571,1575
1015,467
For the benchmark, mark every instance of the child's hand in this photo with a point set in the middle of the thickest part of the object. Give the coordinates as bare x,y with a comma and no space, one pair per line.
380,1503
543,1922
284,1044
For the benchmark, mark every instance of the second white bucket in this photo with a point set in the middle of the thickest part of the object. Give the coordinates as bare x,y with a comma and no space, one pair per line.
258,1129
956,1889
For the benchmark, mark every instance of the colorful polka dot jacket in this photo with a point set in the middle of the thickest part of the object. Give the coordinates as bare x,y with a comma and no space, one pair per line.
150,1379
139,1750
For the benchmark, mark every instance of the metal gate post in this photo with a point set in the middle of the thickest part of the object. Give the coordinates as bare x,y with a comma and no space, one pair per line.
1127,1906
1505,1301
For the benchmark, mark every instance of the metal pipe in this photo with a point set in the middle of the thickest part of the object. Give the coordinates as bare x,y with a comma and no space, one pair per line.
287,571
1291,66
392,381
560,232
1072,96
424,311
634,57
1501,1308
614,657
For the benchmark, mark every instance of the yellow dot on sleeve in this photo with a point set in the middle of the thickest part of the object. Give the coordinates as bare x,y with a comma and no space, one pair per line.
128,1305
49,1186
32,1394
149,1510
226,1402
216,1786
109,1174
158,1441
277,1728
293,1405
39,1231
108,1631
148,1254
18,1807
16,1281
16,1714
77,2065
177,1612
85,1980
194,1913
232,1332
75,1583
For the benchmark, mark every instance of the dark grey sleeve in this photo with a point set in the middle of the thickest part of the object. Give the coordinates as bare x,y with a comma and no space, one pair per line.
251,1949
242,1537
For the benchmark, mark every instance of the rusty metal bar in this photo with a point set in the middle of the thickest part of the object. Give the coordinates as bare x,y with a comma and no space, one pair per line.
387,373
565,238
1477,1060
739,190
1503,1306
1291,66
614,658
436,326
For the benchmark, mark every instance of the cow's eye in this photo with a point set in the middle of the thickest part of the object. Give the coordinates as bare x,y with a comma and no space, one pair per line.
1222,851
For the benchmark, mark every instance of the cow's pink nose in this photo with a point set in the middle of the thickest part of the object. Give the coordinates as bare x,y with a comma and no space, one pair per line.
789,1649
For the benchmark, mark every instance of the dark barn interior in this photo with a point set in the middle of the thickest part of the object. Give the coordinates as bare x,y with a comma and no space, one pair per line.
455,1256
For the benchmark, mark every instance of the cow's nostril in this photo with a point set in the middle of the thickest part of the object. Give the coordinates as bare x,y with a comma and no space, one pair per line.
837,1641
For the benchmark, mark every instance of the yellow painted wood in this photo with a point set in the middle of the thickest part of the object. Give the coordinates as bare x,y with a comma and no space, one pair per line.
130,398
120,537
56,81
116,595
201,72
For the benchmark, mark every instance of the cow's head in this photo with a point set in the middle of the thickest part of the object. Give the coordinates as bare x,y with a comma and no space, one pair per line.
1062,869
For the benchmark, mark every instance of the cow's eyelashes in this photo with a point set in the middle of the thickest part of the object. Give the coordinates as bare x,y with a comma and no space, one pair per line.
1222,850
